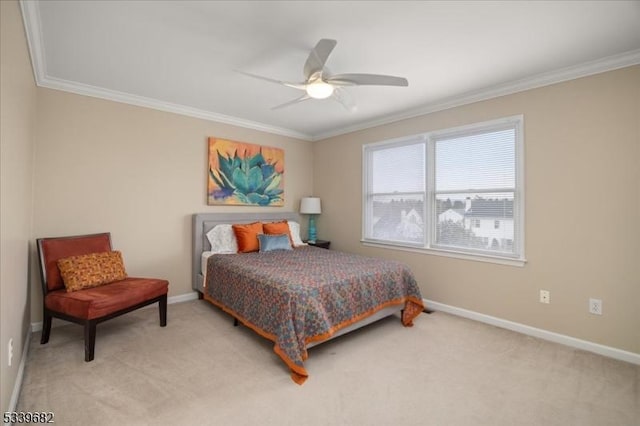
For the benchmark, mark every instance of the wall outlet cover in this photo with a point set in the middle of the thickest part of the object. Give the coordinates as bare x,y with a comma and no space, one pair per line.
545,296
10,351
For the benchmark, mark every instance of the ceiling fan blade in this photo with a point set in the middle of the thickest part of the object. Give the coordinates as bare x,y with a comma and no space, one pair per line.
318,57
366,79
345,99
295,101
301,86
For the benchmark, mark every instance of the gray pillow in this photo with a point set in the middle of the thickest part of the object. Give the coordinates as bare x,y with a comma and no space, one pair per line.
274,242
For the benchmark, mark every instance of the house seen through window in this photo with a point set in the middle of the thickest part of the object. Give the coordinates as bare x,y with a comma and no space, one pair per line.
453,191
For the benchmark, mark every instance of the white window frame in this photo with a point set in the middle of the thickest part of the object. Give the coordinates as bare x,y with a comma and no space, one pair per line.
429,219
367,208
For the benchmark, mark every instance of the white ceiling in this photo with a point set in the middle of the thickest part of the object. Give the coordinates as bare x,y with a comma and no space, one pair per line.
180,56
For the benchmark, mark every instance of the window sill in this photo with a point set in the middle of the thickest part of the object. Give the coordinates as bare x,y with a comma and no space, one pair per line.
519,262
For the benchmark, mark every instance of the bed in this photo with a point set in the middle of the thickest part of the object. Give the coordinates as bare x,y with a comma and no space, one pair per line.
302,297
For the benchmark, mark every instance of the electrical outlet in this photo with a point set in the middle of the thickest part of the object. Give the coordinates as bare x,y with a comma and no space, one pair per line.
595,306
545,296
10,351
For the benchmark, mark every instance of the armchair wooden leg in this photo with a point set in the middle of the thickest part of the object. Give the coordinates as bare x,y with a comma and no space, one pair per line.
162,304
89,339
46,328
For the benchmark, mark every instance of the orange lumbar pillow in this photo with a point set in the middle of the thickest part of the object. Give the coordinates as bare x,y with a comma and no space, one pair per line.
277,228
91,270
247,236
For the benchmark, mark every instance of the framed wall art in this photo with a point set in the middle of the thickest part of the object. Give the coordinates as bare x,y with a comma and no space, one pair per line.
241,173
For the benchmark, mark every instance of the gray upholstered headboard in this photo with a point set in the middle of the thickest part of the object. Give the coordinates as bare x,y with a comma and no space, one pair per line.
204,222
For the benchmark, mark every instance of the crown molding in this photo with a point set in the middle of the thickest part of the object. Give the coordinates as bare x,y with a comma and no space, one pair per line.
610,63
32,24
116,96
32,27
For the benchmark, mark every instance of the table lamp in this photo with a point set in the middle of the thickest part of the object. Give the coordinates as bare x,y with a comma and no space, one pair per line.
311,206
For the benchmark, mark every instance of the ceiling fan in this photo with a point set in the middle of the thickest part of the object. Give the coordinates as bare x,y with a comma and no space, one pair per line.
319,83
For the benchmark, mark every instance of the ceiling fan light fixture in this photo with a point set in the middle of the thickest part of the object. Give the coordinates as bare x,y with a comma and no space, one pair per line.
319,83
319,89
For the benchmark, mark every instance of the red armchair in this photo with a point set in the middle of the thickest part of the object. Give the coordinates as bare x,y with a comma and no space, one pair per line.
91,306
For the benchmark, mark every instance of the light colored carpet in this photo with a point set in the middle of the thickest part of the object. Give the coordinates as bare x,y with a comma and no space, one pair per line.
200,370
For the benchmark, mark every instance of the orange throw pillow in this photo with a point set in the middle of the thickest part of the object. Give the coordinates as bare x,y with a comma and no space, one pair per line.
277,228
91,270
247,236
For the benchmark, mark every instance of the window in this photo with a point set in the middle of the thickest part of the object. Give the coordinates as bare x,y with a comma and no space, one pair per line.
397,193
454,192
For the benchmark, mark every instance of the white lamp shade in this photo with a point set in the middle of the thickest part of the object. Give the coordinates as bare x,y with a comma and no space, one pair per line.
310,205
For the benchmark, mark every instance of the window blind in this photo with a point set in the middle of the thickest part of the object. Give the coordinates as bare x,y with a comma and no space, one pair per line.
455,190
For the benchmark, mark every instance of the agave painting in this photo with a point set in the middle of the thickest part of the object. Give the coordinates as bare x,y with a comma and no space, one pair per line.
245,174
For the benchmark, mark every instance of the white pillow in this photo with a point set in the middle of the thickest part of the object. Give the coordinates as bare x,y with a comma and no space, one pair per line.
294,230
222,239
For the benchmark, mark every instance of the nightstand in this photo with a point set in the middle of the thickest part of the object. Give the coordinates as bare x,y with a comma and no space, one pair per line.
320,243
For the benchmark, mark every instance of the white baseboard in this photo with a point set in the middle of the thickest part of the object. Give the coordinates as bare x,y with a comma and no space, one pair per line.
37,326
183,297
17,386
563,339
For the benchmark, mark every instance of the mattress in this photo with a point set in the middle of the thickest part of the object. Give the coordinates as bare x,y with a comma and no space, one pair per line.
203,262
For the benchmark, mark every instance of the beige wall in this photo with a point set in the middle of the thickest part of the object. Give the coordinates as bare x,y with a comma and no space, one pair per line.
140,174
18,113
582,154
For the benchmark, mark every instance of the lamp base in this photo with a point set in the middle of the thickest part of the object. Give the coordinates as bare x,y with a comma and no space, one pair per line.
312,229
